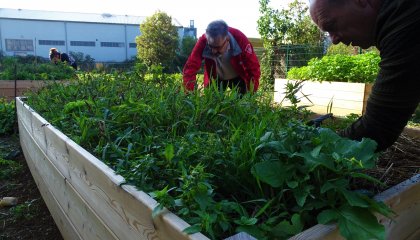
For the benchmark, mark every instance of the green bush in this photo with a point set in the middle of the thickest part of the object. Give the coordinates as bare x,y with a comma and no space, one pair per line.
18,68
7,116
339,68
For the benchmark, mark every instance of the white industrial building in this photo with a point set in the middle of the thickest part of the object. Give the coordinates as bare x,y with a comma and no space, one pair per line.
105,37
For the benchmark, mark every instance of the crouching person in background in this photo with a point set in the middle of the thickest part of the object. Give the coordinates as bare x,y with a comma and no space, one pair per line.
56,56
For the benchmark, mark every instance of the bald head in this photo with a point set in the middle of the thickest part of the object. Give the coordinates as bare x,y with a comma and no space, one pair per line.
347,21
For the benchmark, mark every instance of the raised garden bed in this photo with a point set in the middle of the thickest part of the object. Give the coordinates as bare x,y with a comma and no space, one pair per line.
346,98
86,198
89,201
10,89
404,199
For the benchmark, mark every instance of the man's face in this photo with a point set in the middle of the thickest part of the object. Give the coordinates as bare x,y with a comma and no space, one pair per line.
352,22
218,45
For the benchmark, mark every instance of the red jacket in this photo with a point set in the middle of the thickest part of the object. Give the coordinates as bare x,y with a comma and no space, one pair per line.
244,61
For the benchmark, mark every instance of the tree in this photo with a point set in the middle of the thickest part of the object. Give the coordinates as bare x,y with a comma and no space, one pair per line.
158,42
187,45
292,26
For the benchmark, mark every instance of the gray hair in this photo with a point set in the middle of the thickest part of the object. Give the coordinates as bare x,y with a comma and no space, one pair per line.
217,28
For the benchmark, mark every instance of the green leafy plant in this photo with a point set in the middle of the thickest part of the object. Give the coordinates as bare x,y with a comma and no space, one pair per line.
339,68
26,210
9,168
15,68
7,116
221,162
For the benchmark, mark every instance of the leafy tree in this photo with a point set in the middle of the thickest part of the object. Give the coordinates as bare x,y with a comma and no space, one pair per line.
187,45
292,26
158,42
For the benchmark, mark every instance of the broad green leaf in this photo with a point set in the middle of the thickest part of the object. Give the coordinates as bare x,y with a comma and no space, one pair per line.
354,199
359,224
192,229
316,150
270,172
246,221
327,216
292,184
314,162
301,194
286,228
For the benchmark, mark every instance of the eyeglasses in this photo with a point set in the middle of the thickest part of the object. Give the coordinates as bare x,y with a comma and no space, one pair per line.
218,48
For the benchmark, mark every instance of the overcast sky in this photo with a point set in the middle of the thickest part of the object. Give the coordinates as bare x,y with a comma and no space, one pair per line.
241,14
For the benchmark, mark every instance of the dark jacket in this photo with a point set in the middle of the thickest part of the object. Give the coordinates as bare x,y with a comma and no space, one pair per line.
396,92
244,61
66,58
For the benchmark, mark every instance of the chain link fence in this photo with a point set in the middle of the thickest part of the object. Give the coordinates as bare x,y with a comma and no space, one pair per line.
284,57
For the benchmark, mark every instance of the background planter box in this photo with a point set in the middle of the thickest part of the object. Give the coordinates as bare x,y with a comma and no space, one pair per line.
7,87
346,98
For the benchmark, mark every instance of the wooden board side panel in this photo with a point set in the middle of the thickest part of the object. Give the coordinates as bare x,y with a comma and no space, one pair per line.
124,209
86,223
67,230
346,98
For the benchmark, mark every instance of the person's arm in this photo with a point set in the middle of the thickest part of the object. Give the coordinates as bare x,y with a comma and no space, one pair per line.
396,92
193,64
249,59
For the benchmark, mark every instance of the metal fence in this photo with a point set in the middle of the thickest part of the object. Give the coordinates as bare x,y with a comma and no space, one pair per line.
285,57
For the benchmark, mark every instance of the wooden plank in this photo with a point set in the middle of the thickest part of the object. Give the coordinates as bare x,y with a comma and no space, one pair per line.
103,187
241,236
413,132
38,133
67,230
24,114
7,87
346,97
125,210
85,222
404,199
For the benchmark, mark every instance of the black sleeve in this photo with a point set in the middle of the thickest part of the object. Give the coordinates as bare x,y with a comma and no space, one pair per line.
396,92
65,57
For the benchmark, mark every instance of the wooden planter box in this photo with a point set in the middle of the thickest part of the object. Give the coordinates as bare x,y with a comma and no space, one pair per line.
403,198
7,87
346,98
85,197
88,201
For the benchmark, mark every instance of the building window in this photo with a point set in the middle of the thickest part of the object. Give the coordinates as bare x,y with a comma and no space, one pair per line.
19,45
132,45
82,43
112,44
51,42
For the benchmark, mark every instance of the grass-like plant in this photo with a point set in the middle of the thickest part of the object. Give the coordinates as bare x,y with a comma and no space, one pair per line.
222,162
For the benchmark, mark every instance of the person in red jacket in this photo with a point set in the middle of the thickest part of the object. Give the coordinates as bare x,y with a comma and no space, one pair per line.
229,60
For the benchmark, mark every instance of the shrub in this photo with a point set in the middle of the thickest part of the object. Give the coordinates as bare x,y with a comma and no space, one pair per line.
339,68
18,68
7,116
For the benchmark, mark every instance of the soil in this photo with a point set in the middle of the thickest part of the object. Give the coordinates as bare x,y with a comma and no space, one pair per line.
30,218
398,163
